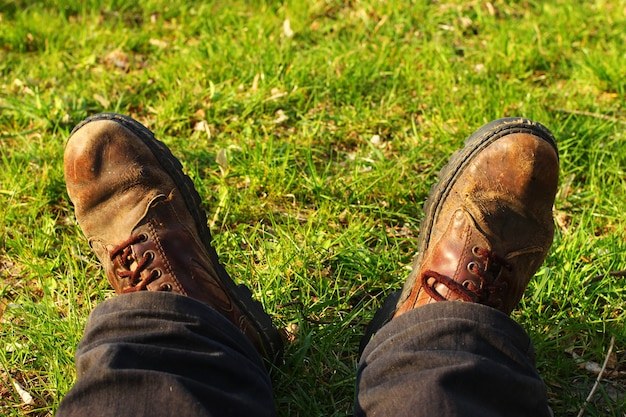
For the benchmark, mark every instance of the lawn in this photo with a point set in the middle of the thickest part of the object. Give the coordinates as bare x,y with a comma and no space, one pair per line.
313,130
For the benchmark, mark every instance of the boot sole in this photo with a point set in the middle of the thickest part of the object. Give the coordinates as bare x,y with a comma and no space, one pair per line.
239,294
447,177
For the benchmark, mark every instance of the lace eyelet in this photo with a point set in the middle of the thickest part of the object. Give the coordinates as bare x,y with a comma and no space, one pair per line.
166,286
476,251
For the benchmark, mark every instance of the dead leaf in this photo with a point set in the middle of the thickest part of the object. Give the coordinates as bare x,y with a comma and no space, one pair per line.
287,29
118,59
280,117
563,220
276,94
101,100
24,395
158,43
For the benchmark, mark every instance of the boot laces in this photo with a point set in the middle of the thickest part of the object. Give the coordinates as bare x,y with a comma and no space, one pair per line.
133,267
470,290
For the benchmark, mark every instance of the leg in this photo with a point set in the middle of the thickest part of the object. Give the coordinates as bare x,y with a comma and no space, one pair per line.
182,338
165,354
450,359
444,345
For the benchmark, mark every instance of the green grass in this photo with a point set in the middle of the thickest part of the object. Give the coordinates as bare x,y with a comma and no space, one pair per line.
333,137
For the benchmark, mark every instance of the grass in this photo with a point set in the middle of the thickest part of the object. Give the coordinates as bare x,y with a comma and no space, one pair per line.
330,131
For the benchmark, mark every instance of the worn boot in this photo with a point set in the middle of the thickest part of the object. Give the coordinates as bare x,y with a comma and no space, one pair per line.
488,221
143,219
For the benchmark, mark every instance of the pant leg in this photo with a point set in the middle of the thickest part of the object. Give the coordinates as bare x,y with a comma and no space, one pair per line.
450,359
162,354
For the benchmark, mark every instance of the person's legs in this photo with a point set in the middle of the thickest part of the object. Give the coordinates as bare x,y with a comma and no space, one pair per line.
164,354
450,359
445,345
182,339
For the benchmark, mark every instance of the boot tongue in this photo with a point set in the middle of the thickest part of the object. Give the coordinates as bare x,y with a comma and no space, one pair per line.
115,217
453,253
108,230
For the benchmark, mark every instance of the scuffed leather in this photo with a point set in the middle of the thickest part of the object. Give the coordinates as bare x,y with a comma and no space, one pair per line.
501,202
119,189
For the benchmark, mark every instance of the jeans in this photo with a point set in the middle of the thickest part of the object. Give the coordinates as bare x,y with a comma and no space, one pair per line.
450,359
162,354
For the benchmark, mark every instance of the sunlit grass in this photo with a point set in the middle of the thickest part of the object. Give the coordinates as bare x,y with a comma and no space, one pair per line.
331,119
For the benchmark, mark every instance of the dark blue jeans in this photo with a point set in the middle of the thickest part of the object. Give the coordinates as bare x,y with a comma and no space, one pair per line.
450,359
160,354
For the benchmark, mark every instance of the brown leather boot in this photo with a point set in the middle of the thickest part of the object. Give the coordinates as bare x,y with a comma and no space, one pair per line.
143,219
488,222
